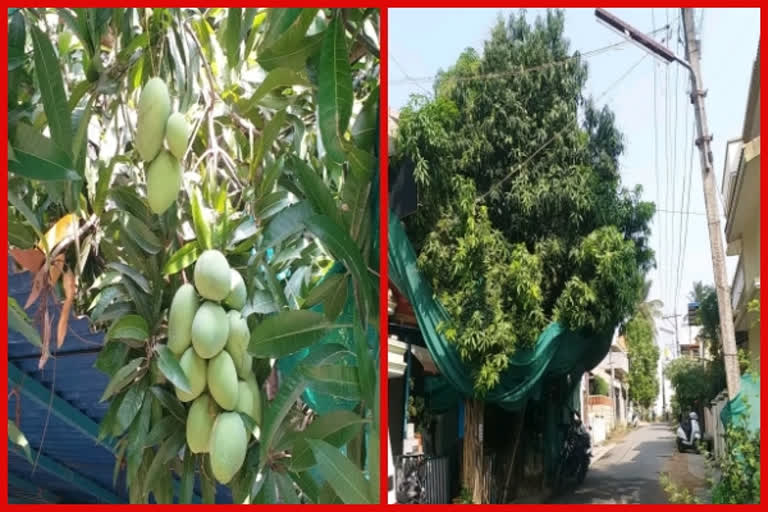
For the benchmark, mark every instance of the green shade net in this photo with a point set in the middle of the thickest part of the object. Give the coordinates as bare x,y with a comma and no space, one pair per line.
558,353
745,407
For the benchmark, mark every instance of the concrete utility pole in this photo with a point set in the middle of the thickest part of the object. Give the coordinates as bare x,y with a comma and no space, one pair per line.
703,140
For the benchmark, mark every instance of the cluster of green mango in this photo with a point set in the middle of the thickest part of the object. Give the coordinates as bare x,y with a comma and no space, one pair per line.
155,125
211,345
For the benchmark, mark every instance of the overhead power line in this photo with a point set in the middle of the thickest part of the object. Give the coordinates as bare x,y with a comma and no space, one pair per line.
511,72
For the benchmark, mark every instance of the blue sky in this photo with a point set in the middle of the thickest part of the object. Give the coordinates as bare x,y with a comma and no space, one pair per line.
422,41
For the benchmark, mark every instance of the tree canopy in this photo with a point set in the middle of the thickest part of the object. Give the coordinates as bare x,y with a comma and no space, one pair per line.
568,241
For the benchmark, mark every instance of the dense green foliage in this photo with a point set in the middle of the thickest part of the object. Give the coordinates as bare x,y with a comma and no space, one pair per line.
707,316
599,386
278,175
695,381
739,468
643,355
555,228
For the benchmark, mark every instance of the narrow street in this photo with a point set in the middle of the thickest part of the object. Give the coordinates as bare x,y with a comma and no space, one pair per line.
629,473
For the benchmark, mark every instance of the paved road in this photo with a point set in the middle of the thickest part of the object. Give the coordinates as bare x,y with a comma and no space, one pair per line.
629,473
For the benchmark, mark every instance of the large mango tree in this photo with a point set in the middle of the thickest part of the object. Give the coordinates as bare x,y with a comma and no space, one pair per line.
271,162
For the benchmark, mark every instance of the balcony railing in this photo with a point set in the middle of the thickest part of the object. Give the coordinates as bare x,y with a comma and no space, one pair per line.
737,288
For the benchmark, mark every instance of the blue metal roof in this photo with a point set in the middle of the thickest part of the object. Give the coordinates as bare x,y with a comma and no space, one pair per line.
59,412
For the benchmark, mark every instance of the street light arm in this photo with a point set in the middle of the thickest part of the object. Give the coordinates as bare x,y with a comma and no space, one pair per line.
640,38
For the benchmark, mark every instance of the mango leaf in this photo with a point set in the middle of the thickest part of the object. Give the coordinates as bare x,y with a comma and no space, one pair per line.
334,89
286,223
182,258
365,366
261,302
111,357
279,77
37,168
284,43
137,433
315,189
17,36
162,429
187,488
170,367
132,274
202,225
343,248
271,204
19,439
290,390
335,380
341,474
287,332
19,321
307,484
170,402
232,36
131,404
121,379
165,453
335,428
52,90
268,135
363,129
141,234
131,327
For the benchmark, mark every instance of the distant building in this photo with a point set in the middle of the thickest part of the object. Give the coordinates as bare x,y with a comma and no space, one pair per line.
741,202
606,413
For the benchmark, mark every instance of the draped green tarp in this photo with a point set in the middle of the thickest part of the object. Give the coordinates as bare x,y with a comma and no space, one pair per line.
558,352
745,407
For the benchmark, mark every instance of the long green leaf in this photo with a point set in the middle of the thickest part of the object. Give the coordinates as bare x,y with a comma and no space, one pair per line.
129,327
187,487
132,274
285,44
17,35
202,225
365,366
37,168
268,136
19,321
52,90
342,247
290,390
287,332
141,234
18,438
343,476
278,77
121,379
232,36
316,190
131,404
162,429
335,380
278,21
171,369
165,453
170,402
334,89
182,258
363,129
286,223
336,428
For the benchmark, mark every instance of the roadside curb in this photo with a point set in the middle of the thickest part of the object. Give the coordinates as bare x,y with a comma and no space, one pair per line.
600,451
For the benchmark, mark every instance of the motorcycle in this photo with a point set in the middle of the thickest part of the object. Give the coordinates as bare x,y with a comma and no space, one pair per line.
689,433
576,453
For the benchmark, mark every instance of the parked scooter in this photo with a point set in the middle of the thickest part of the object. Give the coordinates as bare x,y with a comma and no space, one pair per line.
576,453
689,433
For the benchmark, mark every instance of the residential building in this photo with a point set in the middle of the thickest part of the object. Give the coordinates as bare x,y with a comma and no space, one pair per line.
665,340
606,412
741,202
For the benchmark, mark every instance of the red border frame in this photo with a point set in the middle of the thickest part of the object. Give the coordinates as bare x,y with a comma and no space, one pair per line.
383,212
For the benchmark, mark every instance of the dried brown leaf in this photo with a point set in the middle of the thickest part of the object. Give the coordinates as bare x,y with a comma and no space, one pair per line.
46,339
28,259
69,292
57,266
38,283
